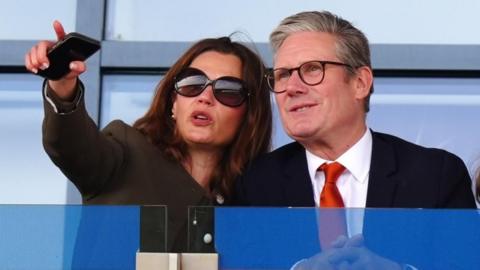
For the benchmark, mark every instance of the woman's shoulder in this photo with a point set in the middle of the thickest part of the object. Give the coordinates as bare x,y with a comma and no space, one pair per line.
118,126
124,132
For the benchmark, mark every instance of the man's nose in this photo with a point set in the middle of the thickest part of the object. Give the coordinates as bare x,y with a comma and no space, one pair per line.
295,84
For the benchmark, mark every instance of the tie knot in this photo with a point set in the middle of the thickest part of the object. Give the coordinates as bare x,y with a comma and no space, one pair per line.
332,171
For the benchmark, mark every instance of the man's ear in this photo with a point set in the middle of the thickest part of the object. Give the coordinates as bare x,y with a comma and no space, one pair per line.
363,82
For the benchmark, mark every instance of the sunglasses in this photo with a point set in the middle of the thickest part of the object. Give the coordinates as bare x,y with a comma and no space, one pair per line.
229,91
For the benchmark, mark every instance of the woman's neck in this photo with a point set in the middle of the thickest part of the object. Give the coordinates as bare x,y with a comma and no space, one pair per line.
201,164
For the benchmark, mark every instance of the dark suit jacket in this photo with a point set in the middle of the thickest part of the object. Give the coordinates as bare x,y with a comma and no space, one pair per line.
402,175
120,166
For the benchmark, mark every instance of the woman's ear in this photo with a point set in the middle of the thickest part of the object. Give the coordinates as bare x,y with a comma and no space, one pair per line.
174,105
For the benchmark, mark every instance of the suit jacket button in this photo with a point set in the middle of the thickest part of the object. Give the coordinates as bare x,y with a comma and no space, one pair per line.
207,238
219,198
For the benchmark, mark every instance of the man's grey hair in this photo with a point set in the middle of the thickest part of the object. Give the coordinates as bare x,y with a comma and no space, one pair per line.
351,44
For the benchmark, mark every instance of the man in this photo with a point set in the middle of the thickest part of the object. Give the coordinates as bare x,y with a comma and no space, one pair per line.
322,79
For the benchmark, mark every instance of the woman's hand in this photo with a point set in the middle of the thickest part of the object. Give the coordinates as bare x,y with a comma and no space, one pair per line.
37,59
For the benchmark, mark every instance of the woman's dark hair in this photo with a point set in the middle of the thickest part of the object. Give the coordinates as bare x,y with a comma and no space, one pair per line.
254,135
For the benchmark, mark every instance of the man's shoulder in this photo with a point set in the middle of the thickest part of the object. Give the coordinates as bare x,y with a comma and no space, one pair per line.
273,163
404,148
281,154
287,150
266,181
400,143
428,177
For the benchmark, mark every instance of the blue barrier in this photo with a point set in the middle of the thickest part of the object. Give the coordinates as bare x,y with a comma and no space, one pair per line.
107,237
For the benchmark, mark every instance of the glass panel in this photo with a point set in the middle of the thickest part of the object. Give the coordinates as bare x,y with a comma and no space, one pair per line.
433,112
153,228
186,20
68,237
107,237
277,238
20,19
200,229
126,97
27,175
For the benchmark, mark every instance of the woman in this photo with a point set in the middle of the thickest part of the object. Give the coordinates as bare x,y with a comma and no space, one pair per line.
209,117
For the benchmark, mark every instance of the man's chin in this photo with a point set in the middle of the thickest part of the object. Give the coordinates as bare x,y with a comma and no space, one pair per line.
301,135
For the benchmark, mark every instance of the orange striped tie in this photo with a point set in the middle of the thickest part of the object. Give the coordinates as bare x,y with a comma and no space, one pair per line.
332,222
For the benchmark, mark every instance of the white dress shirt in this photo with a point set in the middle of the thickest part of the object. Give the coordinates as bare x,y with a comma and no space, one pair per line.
352,183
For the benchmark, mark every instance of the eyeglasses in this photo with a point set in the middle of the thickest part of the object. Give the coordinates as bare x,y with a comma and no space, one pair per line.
311,73
229,91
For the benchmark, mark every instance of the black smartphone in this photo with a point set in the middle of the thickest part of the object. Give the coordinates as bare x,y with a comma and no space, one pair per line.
73,47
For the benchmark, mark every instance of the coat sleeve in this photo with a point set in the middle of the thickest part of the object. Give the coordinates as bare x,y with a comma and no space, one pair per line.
73,142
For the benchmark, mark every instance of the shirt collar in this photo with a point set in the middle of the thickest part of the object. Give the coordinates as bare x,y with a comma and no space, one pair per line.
356,159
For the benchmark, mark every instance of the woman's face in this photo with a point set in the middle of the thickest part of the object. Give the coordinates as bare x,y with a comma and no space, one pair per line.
203,121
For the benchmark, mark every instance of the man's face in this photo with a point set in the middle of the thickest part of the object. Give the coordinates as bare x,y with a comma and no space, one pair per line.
315,114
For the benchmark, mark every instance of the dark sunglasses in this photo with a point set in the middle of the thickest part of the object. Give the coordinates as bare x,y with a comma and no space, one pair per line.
229,91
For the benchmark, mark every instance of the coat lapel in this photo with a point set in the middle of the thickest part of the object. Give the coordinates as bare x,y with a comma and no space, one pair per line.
382,183
297,185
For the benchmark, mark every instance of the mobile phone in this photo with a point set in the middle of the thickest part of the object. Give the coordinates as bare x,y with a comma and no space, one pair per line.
73,47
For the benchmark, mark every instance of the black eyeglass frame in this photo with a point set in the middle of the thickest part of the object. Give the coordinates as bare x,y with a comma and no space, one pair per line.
271,78
216,93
